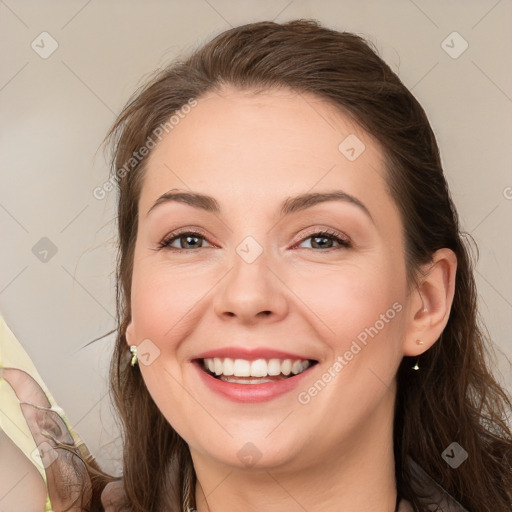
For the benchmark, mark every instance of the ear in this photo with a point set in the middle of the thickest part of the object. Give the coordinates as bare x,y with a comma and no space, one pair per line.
430,303
130,334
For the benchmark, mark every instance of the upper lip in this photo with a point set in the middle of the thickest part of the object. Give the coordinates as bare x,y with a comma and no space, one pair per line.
250,354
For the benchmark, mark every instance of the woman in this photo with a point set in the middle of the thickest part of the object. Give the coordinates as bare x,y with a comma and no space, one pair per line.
297,308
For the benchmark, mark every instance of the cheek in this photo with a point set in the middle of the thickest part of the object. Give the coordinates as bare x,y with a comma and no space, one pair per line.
358,301
163,301
362,321
360,315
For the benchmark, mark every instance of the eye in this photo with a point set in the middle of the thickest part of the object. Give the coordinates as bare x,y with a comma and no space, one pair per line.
187,240
325,239
190,240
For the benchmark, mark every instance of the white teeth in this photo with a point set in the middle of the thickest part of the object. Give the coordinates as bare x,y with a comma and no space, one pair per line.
274,367
236,380
258,368
296,367
228,367
242,368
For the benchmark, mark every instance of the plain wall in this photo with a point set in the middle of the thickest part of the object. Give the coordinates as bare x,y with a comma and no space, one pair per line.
56,110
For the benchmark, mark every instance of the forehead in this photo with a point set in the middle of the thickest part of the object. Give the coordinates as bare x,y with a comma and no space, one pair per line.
260,146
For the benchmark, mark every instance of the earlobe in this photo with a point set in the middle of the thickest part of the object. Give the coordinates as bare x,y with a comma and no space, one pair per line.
431,303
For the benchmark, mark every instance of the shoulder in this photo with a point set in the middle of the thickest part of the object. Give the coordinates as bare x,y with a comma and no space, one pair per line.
443,506
113,497
433,495
405,506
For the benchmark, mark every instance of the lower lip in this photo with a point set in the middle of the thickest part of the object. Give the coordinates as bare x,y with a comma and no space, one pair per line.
251,393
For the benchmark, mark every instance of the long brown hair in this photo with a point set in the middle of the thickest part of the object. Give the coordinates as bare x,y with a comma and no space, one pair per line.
454,396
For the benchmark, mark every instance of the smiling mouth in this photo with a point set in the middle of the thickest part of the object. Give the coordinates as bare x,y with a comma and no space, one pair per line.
257,371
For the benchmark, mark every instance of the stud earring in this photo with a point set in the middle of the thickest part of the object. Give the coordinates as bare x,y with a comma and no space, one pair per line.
416,366
133,350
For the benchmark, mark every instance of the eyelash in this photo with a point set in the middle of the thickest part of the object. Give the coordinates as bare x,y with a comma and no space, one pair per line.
344,243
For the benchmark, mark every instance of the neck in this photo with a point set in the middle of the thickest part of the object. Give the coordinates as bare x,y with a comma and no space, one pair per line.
359,475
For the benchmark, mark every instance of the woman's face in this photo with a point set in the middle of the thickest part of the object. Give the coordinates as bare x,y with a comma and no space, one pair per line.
258,283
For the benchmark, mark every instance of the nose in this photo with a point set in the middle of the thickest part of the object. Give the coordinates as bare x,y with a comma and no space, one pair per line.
251,293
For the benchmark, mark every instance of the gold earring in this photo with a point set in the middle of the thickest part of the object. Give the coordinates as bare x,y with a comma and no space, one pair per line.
416,365
133,350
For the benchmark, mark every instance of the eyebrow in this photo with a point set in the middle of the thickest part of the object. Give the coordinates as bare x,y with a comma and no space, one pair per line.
290,205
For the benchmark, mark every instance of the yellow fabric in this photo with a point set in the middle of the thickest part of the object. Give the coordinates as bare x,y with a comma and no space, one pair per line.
12,420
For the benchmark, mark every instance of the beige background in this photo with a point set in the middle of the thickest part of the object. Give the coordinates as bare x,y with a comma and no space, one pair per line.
56,110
